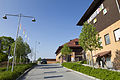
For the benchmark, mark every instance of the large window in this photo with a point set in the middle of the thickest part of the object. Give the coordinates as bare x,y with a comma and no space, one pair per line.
117,34
107,39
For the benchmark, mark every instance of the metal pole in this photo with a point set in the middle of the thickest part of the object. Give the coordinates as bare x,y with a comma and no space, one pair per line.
15,43
35,50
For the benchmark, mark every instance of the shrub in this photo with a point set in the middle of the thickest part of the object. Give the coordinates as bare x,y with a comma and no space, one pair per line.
81,62
18,70
103,74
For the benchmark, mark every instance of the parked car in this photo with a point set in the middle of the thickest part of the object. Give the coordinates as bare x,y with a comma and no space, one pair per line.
43,61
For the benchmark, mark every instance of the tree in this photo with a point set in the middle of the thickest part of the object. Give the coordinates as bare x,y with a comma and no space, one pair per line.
22,49
39,59
89,39
5,43
65,51
27,48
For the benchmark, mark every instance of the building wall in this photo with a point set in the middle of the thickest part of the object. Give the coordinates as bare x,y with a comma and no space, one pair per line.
73,57
113,46
58,57
105,20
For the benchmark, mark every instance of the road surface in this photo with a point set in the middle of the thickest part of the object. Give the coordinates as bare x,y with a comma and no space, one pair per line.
53,72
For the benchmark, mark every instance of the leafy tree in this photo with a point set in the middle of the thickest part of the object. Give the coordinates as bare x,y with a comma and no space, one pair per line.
3,57
27,48
39,59
65,51
6,42
22,49
89,39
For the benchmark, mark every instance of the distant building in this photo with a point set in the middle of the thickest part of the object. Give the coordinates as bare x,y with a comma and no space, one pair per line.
105,16
76,55
51,61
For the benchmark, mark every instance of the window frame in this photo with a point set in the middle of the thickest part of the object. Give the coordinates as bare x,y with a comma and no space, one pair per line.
118,5
105,39
114,34
76,43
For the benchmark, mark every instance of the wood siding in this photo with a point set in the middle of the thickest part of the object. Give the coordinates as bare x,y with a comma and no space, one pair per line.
112,15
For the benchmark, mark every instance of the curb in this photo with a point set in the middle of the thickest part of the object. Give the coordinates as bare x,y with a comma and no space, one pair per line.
19,78
81,73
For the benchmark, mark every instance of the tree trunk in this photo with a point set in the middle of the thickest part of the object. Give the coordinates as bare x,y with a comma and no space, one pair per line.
20,60
8,63
89,60
62,59
92,59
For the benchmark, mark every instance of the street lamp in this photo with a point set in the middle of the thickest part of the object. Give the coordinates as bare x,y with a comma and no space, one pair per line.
19,16
4,17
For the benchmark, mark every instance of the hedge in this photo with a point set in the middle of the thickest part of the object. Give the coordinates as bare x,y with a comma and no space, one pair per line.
102,74
18,70
81,62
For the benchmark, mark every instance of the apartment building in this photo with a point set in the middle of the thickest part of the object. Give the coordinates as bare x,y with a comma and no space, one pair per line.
105,16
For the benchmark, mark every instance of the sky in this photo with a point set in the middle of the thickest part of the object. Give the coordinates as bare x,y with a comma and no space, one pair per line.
55,22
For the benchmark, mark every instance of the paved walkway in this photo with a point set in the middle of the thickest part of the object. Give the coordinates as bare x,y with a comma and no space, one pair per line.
53,72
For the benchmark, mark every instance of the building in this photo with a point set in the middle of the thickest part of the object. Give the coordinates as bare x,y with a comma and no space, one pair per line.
51,61
76,55
105,16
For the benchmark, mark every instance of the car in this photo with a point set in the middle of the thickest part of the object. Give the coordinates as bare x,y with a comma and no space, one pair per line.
43,61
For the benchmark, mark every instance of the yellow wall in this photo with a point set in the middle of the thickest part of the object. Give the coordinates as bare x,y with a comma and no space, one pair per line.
57,57
113,44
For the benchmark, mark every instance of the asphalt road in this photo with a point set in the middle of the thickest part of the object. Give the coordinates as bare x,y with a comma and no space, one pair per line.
53,72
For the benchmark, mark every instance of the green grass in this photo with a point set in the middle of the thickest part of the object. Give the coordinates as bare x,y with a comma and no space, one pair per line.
102,74
18,70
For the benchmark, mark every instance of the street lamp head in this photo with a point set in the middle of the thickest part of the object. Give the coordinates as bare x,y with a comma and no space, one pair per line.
4,17
33,20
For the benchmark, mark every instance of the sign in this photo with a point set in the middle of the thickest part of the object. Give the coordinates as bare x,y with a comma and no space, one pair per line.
104,11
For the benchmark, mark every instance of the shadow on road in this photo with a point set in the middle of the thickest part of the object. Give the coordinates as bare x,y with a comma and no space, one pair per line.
48,66
53,76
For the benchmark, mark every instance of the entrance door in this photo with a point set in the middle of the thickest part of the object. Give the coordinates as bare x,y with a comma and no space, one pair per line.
108,62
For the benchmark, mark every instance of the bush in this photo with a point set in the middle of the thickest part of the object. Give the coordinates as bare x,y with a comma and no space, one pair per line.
81,62
18,70
98,73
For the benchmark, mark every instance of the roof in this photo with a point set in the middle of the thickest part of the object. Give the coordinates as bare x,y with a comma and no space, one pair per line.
70,44
103,53
93,7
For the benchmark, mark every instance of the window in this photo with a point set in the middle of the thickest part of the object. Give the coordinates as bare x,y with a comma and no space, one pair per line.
117,34
76,43
107,39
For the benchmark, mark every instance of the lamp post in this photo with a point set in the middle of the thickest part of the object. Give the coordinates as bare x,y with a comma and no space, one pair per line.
19,20
35,49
